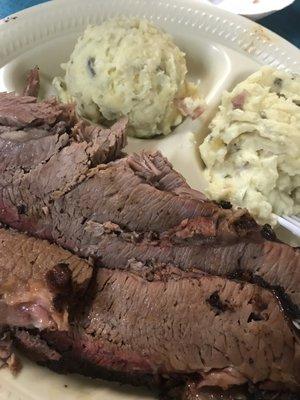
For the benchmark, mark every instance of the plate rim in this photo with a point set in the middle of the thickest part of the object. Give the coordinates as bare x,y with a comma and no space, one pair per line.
11,28
262,10
19,34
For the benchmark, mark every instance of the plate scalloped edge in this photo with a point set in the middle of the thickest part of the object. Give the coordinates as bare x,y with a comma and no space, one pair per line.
56,18
238,33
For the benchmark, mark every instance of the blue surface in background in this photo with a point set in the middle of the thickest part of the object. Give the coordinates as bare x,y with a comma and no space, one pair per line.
286,23
8,7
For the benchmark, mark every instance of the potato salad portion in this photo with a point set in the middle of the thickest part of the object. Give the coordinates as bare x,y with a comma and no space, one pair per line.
252,154
129,67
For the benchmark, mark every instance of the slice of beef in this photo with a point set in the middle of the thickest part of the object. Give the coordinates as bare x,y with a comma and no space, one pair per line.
105,144
24,111
38,282
132,201
35,348
178,325
55,158
32,83
37,120
159,172
269,264
26,149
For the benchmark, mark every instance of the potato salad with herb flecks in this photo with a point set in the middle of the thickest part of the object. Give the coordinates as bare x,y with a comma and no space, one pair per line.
129,67
252,154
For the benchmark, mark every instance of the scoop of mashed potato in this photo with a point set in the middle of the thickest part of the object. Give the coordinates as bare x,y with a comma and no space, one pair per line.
252,153
128,67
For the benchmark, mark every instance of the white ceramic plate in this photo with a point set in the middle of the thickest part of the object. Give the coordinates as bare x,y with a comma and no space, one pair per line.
222,49
254,9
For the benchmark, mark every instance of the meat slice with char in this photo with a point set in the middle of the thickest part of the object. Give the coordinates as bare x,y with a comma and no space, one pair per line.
269,264
162,323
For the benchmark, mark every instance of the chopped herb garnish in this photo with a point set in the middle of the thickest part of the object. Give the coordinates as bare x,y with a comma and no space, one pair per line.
91,66
263,115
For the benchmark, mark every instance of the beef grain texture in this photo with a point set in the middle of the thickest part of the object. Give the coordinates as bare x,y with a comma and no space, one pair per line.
173,327
57,182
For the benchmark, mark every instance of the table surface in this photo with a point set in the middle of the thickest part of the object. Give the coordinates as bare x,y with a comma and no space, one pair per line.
286,23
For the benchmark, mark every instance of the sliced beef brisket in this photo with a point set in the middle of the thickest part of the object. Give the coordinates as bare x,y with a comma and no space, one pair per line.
174,324
265,263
